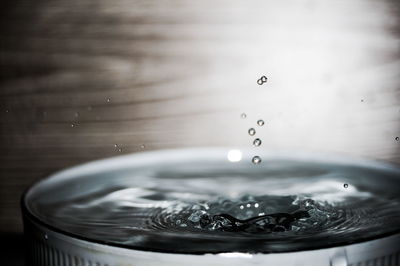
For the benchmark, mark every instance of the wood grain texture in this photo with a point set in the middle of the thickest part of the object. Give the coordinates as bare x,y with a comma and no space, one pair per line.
78,77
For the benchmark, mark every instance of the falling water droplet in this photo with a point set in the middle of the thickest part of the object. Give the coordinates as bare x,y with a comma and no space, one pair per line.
345,185
260,122
252,131
397,138
243,115
264,79
256,160
260,82
257,142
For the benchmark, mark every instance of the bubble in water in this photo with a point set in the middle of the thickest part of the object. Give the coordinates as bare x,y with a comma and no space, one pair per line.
241,207
119,149
257,142
256,205
345,185
260,122
259,82
72,125
116,145
252,131
256,160
108,100
248,205
362,100
243,115
397,138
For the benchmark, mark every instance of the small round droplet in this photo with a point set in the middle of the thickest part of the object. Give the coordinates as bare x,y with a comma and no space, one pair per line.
345,185
260,82
72,125
362,100
46,236
119,150
116,145
260,122
241,207
252,131
257,142
256,205
256,160
108,100
397,138
264,79
234,156
142,146
248,205
243,116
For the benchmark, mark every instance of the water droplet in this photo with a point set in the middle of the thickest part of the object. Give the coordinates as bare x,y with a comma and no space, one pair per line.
76,114
108,100
261,214
243,115
142,146
256,160
257,142
234,155
252,131
397,138
362,100
260,82
260,122
119,149
256,205
264,79
72,125
46,236
241,207
248,205
115,145
345,185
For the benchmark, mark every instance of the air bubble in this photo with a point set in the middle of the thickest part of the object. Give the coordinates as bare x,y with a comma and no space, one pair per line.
260,82
108,100
241,207
257,142
397,138
256,160
260,122
264,79
248,205
72,125
256,205
345,185
243,116
142,146
46,236
252,131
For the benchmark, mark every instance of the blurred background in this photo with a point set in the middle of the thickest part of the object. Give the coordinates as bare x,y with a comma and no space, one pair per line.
83,80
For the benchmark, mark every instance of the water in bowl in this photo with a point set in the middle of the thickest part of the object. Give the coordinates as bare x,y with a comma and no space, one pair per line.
207,204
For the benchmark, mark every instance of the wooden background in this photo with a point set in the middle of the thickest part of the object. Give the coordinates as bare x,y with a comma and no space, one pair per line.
79,76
